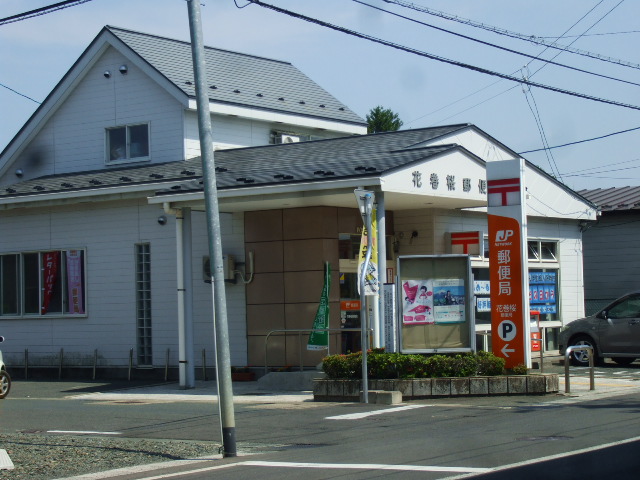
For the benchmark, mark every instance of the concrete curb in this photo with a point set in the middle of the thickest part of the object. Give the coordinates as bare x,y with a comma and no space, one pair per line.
419,388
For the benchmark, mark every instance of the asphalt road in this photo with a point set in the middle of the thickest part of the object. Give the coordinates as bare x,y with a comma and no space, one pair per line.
284,438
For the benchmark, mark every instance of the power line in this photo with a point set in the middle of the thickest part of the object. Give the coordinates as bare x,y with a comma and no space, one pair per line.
493,45
42,11
508,33
582,141
18,93
440,59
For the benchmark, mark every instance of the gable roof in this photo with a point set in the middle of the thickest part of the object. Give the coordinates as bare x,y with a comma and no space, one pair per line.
234,79
614,199
237,78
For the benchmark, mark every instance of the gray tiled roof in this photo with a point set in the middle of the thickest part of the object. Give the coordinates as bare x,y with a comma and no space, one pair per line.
614,198
239,79
322,160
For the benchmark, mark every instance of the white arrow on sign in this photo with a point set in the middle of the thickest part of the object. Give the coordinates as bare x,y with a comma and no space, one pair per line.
505,350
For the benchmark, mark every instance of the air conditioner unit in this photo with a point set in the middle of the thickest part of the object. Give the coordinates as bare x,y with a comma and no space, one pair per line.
290,138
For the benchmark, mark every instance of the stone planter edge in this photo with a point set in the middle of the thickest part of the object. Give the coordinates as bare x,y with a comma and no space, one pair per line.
332,390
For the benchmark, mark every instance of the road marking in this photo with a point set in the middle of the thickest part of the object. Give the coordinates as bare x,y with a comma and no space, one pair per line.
5,461
83,432
336,466
367,466
547,458
357,416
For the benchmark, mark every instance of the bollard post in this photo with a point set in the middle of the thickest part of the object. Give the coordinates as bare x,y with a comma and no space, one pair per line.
130,363
95,363
204,364
166,366
61,362
567,381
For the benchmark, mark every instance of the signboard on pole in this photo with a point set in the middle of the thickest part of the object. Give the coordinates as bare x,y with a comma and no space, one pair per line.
371,279
507,262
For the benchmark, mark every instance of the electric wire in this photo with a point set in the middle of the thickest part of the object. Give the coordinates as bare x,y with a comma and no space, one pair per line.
582,141
438,58
18,93
42,11
493,45
504,32
543,136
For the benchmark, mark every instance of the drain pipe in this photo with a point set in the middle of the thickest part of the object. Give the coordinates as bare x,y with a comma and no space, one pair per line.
185,322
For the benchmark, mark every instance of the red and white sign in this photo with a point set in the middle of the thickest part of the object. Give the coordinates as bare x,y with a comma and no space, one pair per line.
510,334
467,243
503,192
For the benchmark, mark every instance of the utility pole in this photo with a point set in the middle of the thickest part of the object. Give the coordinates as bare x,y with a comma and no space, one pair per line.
221,330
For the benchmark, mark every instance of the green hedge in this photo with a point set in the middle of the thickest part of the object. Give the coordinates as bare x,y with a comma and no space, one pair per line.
383,365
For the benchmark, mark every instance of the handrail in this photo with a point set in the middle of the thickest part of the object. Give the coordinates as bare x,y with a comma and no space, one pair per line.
574,348
300,331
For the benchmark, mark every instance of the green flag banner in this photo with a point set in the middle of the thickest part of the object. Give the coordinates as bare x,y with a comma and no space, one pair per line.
320,340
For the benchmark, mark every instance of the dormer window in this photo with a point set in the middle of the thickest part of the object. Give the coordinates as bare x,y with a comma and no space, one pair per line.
129,143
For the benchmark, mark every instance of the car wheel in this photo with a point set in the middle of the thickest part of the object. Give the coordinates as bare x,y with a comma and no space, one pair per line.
623,360
580,358
5,384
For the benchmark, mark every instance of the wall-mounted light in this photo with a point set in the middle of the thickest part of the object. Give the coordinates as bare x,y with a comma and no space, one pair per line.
162,220
123,69
19,173
107,74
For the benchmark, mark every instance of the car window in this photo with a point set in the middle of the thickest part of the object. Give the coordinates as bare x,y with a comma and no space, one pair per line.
627,308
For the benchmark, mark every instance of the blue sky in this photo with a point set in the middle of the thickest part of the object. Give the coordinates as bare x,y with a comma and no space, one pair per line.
37,52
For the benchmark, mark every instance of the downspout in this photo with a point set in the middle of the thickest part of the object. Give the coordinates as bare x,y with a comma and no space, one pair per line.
183,365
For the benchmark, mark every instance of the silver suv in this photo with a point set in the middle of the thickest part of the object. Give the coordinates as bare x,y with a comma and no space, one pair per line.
613,333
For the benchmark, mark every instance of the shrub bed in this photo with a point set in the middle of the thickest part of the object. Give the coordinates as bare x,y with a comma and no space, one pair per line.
383,365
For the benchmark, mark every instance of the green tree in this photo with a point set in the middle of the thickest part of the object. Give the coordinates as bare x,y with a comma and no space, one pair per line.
381,119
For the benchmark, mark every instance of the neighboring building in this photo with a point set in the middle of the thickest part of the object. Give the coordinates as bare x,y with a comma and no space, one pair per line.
610,246
103,184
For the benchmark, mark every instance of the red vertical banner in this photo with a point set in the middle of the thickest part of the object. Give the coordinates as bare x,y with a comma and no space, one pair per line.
508,273
505,275
50,264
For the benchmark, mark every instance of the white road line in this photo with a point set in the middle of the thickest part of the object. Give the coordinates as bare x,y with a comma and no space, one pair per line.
5,461
367,466
357,416
83,432
547,458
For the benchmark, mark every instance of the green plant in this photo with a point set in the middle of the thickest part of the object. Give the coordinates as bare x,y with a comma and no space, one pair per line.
489,364
520,369
383,365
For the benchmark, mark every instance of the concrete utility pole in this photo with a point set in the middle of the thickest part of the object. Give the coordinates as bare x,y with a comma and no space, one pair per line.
223,357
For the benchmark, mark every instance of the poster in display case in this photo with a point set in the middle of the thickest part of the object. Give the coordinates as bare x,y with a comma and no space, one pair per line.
435,292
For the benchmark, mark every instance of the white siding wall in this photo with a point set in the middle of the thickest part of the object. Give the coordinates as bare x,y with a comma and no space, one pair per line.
232,226
74,138
234,132
432,226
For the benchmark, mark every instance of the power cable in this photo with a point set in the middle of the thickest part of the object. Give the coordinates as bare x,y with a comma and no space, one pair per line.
18,93
42,11
438,58
504,32
543,136
582,141
493,45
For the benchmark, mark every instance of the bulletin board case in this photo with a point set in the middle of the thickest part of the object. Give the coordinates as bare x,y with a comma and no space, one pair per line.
435,304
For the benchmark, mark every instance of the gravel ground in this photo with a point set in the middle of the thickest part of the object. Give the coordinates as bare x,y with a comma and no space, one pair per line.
47,457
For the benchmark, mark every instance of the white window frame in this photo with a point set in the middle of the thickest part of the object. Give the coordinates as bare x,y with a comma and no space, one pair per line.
127,154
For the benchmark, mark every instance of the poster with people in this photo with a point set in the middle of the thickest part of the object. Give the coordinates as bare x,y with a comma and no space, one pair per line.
448,300
417,307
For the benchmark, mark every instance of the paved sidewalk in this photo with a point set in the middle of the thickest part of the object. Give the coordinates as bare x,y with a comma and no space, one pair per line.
243,392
